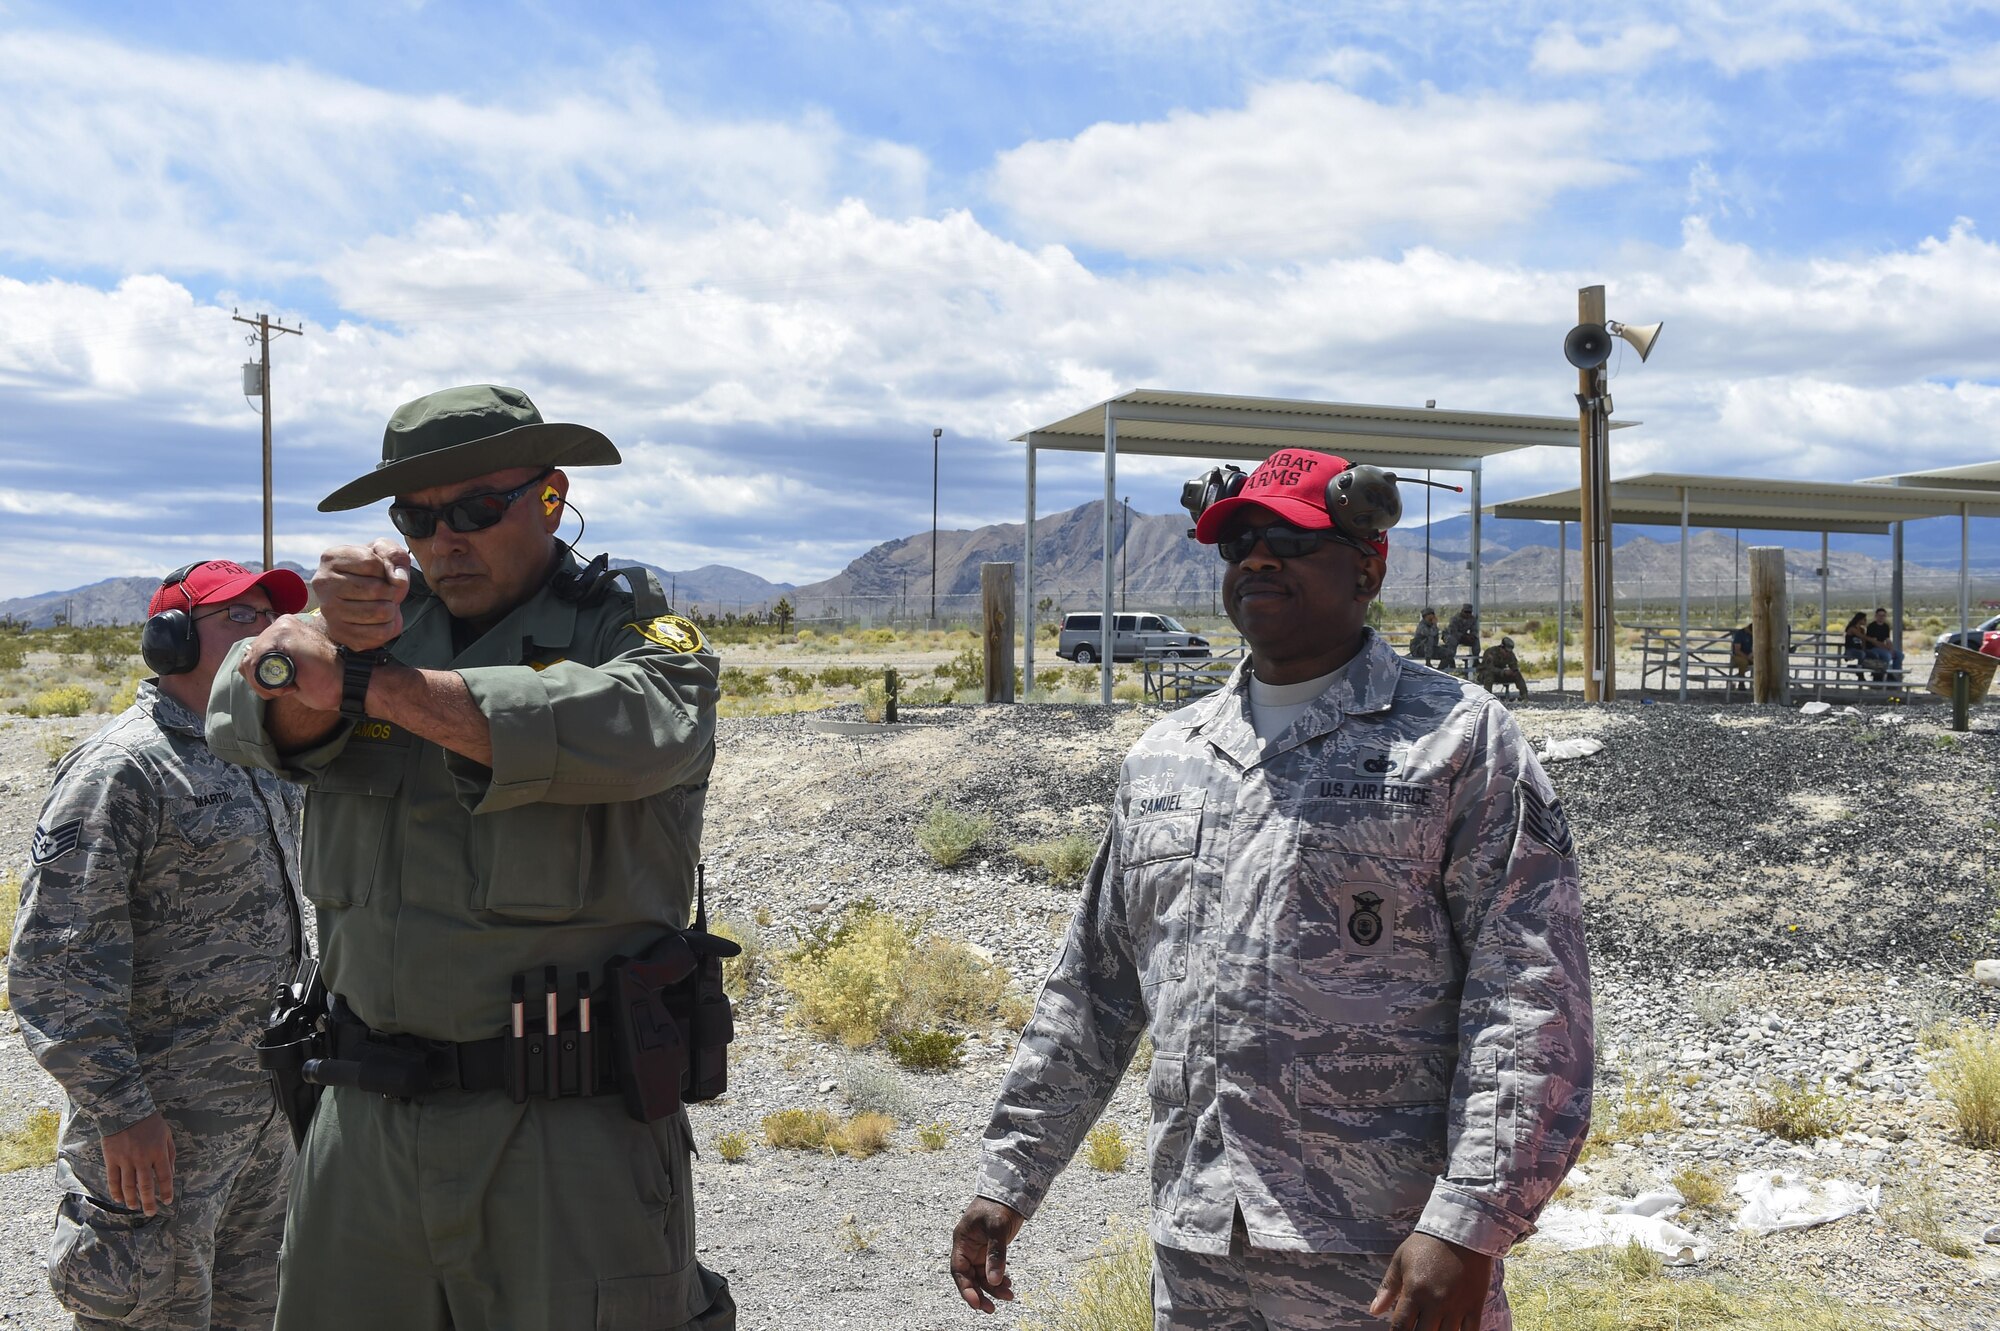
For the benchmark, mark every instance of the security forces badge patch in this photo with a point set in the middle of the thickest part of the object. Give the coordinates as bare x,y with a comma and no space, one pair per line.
671,632
1367,931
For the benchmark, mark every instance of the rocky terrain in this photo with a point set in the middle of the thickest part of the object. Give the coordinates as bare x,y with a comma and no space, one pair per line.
1772,897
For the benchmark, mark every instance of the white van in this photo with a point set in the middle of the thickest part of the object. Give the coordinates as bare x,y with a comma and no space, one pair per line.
1136,635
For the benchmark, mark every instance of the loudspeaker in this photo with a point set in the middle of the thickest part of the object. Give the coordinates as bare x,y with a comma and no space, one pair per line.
169,643
1641,337
1588,346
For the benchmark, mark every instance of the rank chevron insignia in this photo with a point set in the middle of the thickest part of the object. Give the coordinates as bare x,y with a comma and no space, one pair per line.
52,843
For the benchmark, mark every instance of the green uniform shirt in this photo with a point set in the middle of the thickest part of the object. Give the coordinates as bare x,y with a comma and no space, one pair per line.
437,878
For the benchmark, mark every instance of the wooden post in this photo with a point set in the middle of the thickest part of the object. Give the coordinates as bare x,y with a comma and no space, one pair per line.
890,689
1770,626
996,594
1600,652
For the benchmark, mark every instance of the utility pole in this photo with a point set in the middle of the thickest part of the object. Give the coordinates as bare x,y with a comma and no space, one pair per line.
261,339
1600,677
936,434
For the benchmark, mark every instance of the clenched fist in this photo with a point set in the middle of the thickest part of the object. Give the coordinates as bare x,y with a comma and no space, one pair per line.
361,590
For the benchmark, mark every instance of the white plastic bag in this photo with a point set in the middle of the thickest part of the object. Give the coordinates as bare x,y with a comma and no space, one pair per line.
1774,1201
1574,1230
1556,750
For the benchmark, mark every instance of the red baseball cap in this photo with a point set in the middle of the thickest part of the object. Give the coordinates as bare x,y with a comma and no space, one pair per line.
219,580
1291,485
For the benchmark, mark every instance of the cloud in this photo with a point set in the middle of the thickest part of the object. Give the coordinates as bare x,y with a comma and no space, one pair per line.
1560,51
1975,74
1304,169
134,160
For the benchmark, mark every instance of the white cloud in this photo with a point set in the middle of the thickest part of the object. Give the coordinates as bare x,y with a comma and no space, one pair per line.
1560,51
133,160
1304,169
1975,74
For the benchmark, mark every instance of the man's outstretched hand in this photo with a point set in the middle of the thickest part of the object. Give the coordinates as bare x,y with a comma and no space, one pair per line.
979,1252
1433,1285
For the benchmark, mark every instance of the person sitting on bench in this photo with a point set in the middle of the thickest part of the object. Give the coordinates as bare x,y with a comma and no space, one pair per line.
1881,636
1739,651
1463,631
1427,643
1860,650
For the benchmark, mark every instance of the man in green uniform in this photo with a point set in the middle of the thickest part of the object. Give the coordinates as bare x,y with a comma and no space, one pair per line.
516,784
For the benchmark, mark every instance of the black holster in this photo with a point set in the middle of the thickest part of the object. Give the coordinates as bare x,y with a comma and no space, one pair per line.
671,1023
296,1036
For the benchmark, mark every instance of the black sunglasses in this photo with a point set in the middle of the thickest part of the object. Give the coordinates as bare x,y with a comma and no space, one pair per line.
1283,541
466,513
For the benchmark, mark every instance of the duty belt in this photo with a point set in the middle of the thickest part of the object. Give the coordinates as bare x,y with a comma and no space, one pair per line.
409,1067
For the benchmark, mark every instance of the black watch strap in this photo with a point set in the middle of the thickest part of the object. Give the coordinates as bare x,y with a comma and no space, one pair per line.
356,669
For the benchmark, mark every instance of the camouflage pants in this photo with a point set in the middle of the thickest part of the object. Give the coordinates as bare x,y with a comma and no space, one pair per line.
208,1262
1256,1289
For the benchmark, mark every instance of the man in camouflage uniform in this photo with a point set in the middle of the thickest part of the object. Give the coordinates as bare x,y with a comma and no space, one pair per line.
518,782
1462,631
1340,896
158,925
1499,667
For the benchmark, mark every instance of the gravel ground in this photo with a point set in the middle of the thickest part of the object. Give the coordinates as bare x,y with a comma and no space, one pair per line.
1706,834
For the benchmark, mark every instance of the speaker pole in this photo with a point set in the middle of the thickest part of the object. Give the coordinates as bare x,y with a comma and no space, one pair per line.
1600,679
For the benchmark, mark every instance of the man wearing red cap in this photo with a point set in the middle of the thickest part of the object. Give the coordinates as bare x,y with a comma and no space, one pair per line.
1341,897
158,921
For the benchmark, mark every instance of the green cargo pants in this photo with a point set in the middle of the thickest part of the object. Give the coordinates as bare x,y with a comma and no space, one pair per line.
469,1212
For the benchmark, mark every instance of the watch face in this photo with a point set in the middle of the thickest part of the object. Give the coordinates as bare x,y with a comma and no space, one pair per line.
275,670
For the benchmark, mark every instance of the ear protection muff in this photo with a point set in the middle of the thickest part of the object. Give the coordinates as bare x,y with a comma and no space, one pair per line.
169,642
1363,501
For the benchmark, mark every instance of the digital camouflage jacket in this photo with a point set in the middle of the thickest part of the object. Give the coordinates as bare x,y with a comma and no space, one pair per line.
158,924
1359,952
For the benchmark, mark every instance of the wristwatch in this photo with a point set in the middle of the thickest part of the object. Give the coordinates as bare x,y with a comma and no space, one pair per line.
356,668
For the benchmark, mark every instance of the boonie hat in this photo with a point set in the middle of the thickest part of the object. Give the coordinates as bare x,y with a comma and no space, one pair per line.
219,580
459,433
1291,483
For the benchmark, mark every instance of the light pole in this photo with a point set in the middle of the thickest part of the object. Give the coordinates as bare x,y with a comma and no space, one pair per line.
1124,533
936,435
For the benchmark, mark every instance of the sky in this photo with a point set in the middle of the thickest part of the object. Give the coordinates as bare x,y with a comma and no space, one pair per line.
768,247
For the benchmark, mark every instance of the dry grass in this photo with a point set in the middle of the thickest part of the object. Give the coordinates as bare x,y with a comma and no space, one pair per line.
853,1238
1916,1207
1105,1149
738,970
926,1051
872,975
32,1144
933,1137
1114,1290
799,1129
1798,1113
1065,860
863,1135
1704,1189
948,835
1610,1289
733,1147
62,700
55,745
1968,1077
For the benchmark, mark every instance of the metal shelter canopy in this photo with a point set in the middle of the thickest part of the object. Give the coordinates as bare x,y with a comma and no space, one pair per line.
1162,423
1773,504
1975,476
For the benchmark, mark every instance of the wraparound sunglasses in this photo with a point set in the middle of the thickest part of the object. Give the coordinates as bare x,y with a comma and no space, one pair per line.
467,513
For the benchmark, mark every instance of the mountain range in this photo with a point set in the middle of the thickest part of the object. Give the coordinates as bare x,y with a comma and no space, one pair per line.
1161,568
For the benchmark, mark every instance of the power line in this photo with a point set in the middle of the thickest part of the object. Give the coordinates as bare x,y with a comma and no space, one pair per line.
261,339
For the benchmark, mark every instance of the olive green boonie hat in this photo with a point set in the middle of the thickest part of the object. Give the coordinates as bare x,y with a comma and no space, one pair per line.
460,433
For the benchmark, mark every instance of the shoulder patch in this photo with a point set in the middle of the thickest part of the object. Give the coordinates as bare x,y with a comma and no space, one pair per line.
52,843
672,632
1543,819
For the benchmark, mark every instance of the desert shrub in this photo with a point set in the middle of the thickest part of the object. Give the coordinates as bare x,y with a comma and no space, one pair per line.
1130,691
1142,1057
799,1129
737,970
737,683
1917,1208
872,1088
874,702
127,694
878,637
863,1135
62,700
1798,1113
1105,1149
1703,1189
10,907
946,981
848,989
927,1050
806,636
1714,1006
1114,1289
1968,1077
853,1238
848,677
967,670
733,1147
1065,860
948,835
1014,1012
933,1137
32,1144
55,745
13,653
924,695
